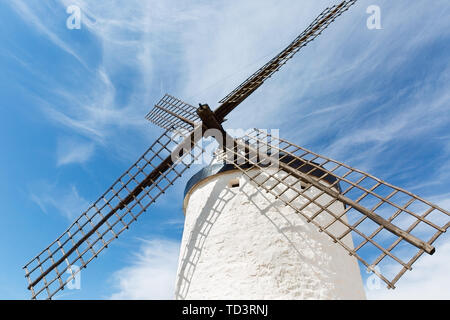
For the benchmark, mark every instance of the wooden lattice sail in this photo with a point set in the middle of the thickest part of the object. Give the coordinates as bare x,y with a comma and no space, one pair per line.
390,226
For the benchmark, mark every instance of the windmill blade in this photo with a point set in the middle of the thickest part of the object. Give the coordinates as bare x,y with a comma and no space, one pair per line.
233,99
173,114
122,204
385,227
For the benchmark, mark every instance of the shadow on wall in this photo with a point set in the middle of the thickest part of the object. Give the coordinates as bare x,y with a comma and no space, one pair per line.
268,207
198,236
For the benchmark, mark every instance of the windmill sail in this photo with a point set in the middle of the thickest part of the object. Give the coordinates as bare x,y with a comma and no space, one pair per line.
108,217
390,227
173,114
234,98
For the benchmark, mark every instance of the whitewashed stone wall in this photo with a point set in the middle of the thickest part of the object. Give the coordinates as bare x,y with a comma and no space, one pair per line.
241,243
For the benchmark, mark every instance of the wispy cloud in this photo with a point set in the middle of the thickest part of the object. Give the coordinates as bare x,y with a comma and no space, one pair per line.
405,122
34,14
66,201
73,151
89,103
144,37
151,273
429,279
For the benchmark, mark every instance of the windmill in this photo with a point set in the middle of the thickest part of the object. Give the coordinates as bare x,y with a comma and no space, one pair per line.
323,192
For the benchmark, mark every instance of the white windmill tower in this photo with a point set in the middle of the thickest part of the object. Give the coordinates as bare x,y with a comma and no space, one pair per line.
241,242
274,221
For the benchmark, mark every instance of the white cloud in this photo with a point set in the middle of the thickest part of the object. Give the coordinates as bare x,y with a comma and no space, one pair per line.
66,201
428,280
152,38
88,104
35,16
73,151
151,274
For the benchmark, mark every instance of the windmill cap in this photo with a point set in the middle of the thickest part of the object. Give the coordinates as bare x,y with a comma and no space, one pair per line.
296,163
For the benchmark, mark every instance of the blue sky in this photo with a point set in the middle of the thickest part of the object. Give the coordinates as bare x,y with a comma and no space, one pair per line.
73,106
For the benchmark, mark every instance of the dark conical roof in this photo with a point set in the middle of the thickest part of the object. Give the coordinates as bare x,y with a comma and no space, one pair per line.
217,168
